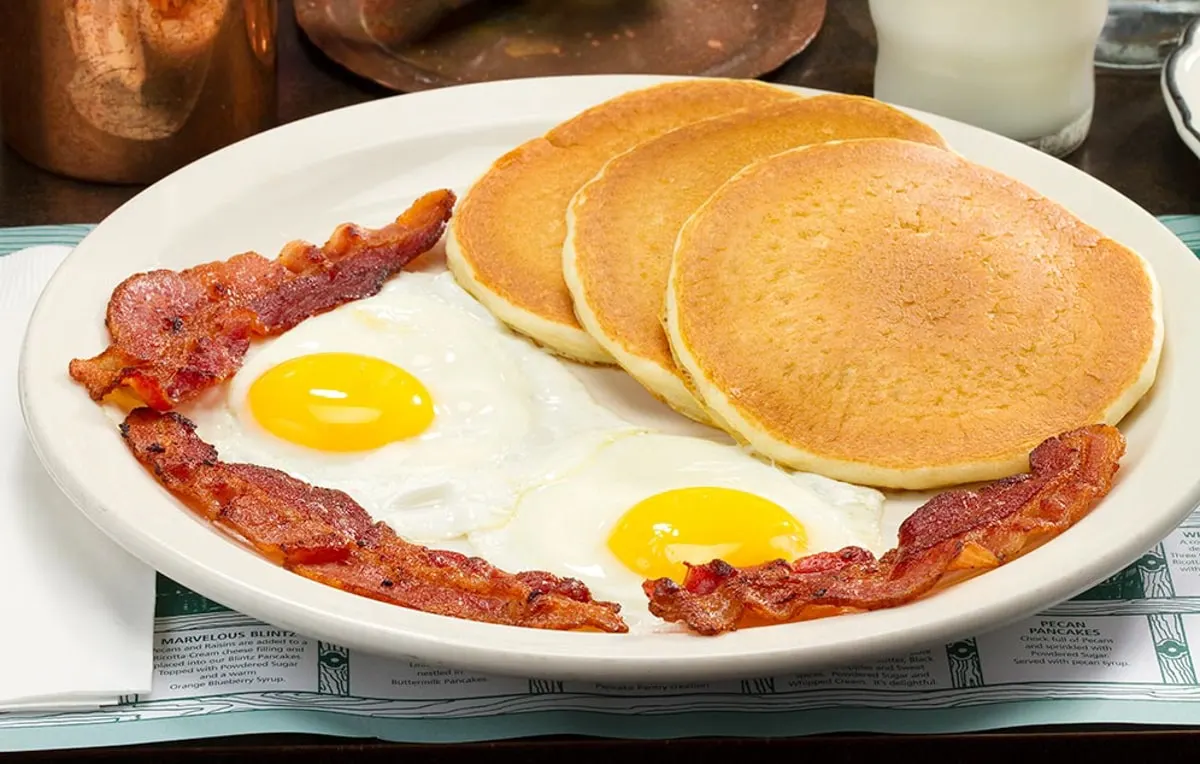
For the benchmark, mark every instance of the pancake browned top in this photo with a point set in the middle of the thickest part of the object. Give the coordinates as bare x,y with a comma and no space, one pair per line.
623,224
888,313
509,228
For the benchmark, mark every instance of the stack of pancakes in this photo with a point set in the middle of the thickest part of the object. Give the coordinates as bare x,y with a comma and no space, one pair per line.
821,277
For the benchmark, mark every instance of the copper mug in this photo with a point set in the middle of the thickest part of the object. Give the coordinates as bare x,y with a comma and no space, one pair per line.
125,91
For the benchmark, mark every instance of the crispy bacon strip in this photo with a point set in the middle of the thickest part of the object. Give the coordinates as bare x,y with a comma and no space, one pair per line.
326,536
177,333
955,535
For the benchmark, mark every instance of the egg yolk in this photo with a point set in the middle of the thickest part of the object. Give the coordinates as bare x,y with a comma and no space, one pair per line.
697,525
340,402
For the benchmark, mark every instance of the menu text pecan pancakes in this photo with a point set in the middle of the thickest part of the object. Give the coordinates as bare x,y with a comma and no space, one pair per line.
956,534
177,333
324,535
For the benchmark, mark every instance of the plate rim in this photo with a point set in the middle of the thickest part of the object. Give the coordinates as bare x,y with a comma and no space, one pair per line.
533,653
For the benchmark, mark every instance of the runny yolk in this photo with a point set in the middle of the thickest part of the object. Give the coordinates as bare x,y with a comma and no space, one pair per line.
697,525
340,402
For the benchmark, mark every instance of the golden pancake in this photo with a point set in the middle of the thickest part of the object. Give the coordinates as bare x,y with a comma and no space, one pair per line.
622,225
504,244
886,313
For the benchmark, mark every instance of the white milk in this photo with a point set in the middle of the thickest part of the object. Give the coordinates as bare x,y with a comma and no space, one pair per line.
1021,68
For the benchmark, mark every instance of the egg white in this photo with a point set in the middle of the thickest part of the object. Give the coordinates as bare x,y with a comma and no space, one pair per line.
521,466
507,415
563,526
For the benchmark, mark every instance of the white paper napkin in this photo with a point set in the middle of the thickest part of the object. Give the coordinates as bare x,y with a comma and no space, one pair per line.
77,611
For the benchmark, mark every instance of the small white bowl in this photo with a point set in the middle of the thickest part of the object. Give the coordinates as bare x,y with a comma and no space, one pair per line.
1181,86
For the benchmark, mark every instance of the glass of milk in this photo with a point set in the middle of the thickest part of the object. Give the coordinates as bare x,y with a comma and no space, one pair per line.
1020,68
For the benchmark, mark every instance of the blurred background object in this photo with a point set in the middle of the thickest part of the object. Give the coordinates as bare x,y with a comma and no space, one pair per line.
1138,35
126,91
1132,145
409,45
1020,68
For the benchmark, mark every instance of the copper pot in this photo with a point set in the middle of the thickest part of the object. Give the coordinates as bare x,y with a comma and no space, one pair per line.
126,91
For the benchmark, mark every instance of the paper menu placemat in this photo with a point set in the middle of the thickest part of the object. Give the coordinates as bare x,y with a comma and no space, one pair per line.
1119,653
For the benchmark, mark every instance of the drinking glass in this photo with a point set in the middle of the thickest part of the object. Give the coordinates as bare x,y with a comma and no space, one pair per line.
1020,68
1138,34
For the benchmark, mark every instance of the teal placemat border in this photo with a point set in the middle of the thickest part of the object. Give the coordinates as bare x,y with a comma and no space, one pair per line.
1186,227
12,239
67,732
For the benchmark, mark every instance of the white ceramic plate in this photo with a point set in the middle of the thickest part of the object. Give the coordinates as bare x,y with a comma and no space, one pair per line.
368,162
1181,86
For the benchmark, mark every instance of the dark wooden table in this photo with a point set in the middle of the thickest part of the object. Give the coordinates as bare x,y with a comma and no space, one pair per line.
1132,147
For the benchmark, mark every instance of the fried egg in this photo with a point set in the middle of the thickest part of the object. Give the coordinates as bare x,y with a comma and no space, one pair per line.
646,503
416,402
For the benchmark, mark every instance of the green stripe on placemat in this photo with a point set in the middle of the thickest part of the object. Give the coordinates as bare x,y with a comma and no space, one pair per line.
1186,227
12,239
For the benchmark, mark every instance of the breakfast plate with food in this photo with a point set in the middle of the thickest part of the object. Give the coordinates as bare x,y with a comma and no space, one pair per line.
625,378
